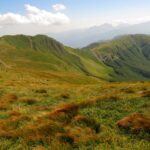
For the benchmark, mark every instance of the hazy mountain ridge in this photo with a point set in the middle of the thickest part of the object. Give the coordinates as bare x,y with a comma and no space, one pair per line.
83,37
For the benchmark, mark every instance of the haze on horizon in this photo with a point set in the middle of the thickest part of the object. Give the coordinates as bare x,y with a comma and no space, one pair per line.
38,17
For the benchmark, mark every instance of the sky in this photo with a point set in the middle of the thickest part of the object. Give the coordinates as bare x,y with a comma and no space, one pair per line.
43,16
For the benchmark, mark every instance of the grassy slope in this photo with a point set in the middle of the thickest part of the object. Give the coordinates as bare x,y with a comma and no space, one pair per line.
93,66
124,58
38,52
127,55
47,102
30,116
43,53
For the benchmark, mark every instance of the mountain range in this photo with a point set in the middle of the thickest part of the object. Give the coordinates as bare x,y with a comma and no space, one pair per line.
122,59
83,37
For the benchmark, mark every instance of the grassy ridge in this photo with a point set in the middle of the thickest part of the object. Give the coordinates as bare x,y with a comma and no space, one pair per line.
124,58
127,55
43,53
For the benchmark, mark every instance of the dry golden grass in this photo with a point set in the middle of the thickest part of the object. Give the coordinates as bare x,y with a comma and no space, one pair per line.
105,97
41,108
62,95
87,122
81,134
6,100
29,101
135,123
41,130
145,93
39,147
16,116
65,138
41,91
3,106
64,112
9,98
45,122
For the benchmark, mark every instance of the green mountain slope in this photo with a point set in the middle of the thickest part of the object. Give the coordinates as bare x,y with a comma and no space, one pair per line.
93,66
44,53
124,58
38,52
129,56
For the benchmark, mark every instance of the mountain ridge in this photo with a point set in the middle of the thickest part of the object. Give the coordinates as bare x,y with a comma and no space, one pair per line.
83,37
128,52
113,60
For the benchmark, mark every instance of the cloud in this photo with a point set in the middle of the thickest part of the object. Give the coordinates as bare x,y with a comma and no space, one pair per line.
143,19
34,15
11,19
32,9
131,21
59,7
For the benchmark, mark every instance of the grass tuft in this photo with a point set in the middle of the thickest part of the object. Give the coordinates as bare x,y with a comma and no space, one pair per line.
135,123
88,122
28,101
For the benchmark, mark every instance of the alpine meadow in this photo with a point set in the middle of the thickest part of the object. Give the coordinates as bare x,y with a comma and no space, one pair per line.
59,90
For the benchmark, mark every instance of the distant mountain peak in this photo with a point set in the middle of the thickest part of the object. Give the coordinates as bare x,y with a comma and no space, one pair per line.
84,37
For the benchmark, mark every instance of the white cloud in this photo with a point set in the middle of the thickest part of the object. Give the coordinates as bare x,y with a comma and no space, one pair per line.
142,19
59,7
11,19
32,9
33,15
131,21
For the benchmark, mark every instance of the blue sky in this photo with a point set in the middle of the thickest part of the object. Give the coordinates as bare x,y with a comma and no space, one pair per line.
78,6
84,13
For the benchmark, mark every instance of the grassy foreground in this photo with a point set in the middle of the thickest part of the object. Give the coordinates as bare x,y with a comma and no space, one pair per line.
49,110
